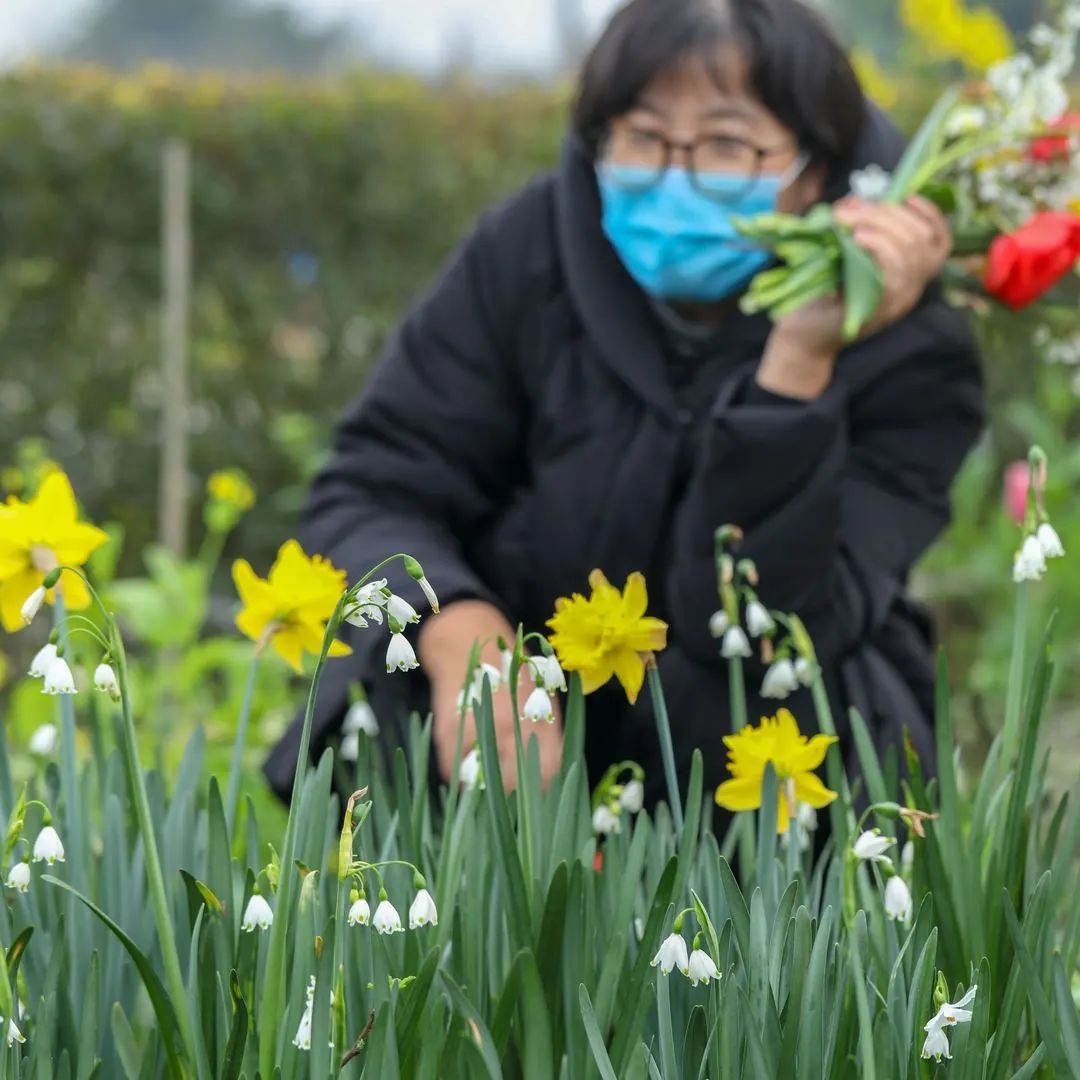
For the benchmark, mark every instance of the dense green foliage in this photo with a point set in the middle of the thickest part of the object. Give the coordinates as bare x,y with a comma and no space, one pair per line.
319,212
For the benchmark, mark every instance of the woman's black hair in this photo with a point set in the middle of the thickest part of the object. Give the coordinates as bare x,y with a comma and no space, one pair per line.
796,67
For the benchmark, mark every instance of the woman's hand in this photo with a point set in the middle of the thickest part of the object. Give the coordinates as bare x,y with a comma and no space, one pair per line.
910,242
444,646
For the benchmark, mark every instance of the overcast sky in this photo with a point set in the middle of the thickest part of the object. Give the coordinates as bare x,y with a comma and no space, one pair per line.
503,34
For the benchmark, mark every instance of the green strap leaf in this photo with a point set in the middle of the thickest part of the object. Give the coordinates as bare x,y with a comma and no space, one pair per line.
159,999
592,1033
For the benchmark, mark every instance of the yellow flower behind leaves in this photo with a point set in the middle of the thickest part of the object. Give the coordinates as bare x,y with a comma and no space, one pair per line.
950,30
607,634
231,486
876,81
291,607
35,538
793,756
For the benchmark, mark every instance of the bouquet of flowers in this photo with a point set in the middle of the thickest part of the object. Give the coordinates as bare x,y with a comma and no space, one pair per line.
1001,159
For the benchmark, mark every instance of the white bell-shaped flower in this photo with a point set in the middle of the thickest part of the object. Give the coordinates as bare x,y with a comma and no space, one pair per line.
19,876
672,954
422,911
14,1035
400,655
360,718
632,797
58,679
719,624
47,846
32,605
780,680
758,619
470,772
871,846
386,919
1049,541
605,821
359,912
258,914
538,707
349,750
548,673
43,658
936,1044
302,1038
43,741
735,644
700,968
105,680
898,899
401,611
1030,561
805,671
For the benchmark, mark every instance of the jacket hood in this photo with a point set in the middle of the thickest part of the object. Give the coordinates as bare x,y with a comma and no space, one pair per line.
616,313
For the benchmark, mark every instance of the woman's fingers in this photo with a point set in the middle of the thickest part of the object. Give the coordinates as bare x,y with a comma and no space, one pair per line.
932,215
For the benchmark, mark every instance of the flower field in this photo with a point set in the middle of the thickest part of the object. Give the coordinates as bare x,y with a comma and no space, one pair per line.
162,915
157,925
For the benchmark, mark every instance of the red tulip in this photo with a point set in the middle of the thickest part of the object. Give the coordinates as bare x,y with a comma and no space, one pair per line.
1055,144
1015,490
1026,263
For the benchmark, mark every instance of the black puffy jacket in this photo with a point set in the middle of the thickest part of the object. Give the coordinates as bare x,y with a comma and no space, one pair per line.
523,428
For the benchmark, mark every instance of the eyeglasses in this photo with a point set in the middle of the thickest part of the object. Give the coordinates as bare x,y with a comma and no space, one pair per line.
712,161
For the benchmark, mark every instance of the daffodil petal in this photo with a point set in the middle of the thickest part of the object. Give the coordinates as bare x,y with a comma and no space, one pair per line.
75,544
287,643
13,594
13,557
647,635
74,590
252,590
602,589
339,648
595,677
635,597
809,789
783,813
812,755
55,502
743,793
630,671
252,623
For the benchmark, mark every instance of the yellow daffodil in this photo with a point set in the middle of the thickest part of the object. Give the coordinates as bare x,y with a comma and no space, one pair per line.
607,634
793,756
291,607
35,538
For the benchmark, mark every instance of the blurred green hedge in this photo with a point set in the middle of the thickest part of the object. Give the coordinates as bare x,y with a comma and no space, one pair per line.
319,211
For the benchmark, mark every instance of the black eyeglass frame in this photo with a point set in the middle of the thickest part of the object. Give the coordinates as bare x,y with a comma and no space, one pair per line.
690,148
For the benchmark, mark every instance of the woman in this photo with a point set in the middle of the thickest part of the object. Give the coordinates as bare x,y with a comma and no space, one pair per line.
579,390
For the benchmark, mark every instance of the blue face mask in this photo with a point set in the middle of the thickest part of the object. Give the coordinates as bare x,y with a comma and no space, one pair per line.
680,244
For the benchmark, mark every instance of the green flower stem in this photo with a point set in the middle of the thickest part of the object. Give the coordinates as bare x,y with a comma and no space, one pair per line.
155,880
667,750
737,692
339,962
523,801
745,824
1014,691
841,811
272,1005
73,817
232,796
